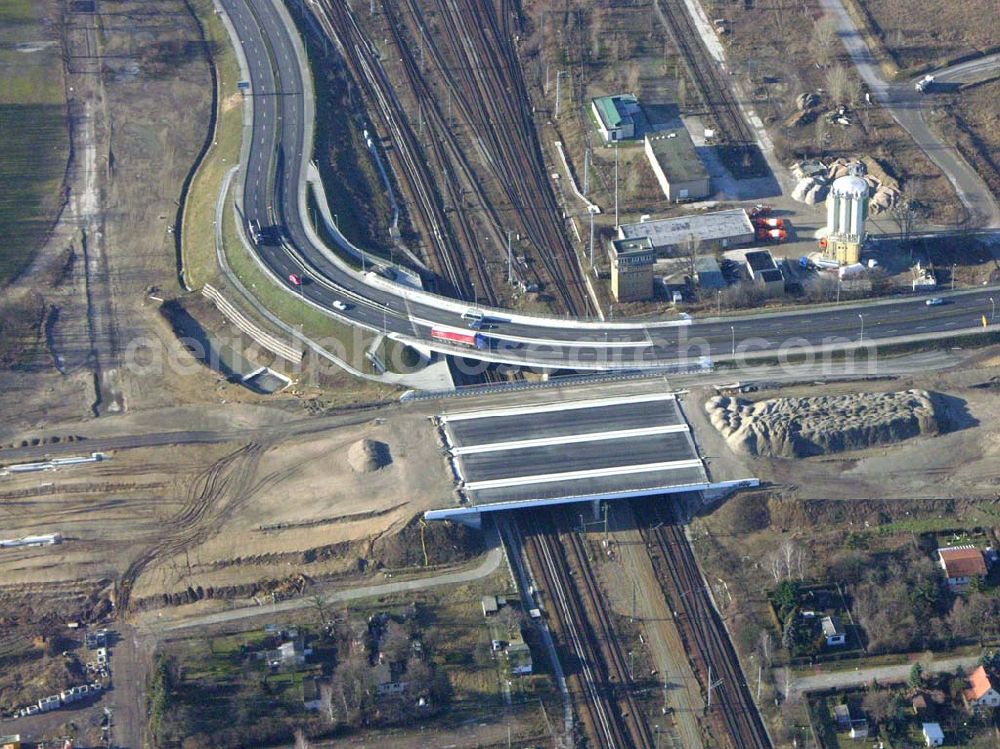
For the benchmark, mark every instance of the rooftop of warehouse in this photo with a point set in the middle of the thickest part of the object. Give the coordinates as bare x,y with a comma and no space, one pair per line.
733,223
674,150
635,246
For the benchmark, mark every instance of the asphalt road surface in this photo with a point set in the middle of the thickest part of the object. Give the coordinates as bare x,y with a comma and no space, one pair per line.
273,196
907,107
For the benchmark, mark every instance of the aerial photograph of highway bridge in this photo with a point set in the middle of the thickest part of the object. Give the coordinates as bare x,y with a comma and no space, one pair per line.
499,373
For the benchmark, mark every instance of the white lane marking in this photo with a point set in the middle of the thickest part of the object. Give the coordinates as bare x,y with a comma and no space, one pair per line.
540,478
568,439
564,406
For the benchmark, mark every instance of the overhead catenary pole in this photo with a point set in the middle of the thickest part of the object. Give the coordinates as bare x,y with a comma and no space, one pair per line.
558,79
616,185
510,261
586,171
591,240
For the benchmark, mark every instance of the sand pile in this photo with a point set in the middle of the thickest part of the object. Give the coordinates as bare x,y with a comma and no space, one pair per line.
799,427
365,456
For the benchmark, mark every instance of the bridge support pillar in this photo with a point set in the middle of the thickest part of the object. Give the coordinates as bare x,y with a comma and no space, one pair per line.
595,506
474,520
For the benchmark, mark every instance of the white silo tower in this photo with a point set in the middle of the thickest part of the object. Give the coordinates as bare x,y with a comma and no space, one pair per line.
846,211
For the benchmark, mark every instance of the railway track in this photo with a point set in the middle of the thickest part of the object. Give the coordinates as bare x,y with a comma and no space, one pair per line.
610,713
494,94
712,85
388,115
709,648
474,59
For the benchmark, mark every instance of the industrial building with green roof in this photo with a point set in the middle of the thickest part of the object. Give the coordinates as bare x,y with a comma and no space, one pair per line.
616,116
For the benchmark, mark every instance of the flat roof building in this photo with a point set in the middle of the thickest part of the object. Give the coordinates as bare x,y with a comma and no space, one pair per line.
708,274
717,230
631,269
765,272
616,116
676,164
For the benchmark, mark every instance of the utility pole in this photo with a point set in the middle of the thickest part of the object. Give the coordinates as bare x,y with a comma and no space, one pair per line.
545,88
616,185
559,75
591,240
634,592
605,523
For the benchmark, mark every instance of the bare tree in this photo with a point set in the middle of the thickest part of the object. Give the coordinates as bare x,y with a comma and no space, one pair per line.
775,568
764,646
822,130
838,83
824,40
632,77
301,742
788,556
395,643
906,216
692,253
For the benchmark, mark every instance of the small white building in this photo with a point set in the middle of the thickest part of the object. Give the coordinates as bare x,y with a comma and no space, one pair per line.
981,691
961,564
933,735
859,728
310,695
49,703
833,632
616,116
519,657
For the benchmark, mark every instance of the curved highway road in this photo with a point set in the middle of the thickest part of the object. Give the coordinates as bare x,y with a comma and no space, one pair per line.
273,194
907,107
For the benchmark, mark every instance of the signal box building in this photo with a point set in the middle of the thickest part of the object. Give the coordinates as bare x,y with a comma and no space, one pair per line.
616,116
676,164
632,269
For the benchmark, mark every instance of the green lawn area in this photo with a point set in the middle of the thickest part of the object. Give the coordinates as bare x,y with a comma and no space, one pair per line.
344,340
33,131
198,232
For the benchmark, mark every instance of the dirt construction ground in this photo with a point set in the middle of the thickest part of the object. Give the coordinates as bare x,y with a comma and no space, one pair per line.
964,460
234,512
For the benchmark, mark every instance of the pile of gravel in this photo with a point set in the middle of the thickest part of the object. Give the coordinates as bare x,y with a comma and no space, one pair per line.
365,456
800,427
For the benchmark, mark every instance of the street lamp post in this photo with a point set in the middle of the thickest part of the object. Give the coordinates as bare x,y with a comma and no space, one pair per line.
732,329
953,267
993,309
718,299
862,319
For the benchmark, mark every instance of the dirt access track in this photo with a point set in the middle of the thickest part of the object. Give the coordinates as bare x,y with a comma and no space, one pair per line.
230,503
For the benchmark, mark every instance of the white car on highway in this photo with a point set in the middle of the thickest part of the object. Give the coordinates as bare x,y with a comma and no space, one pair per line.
337,304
